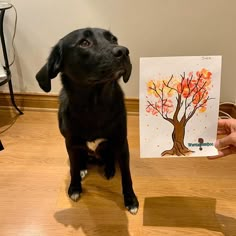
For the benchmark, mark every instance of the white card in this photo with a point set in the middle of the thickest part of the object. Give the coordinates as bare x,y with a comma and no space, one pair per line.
179,105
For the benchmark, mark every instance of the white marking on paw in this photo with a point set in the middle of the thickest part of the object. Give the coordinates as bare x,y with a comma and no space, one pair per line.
133,211
75,197
94,144
83,173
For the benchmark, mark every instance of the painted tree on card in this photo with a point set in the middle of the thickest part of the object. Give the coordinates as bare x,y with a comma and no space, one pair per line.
177,100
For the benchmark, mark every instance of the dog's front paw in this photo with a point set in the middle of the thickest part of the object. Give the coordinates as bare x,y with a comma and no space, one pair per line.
83,173
75,197
131,204
74,193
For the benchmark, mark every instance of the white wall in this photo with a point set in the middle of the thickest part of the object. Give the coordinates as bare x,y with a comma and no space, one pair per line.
147,27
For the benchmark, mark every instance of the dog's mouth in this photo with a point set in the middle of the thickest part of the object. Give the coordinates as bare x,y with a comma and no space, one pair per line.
125,74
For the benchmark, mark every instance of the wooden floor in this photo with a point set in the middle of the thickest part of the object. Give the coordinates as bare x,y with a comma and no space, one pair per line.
177,196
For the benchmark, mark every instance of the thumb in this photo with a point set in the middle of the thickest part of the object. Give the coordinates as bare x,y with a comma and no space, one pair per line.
224,142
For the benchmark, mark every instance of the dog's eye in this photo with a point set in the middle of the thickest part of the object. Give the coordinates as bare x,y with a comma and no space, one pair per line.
84,43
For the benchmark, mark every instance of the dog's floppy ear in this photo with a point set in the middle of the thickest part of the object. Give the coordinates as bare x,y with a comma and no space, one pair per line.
51,69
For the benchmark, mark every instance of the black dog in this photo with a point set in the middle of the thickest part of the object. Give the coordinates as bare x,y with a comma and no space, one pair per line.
92,115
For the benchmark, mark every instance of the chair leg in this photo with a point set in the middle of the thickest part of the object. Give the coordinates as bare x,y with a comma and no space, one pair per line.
1,146
12,97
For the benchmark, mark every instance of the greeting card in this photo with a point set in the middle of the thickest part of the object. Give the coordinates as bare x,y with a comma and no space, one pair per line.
179,105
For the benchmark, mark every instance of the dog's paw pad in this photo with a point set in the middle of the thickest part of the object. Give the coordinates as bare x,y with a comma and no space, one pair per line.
83,173
75,197
132,210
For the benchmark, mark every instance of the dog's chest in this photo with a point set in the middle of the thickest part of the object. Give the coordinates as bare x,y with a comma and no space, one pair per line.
93,145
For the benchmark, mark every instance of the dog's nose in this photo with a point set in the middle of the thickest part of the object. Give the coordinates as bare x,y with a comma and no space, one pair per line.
120,51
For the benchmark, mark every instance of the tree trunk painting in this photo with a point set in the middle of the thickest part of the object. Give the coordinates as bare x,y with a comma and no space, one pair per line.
177,100
179,147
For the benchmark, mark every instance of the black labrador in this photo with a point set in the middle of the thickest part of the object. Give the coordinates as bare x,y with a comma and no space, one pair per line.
92,114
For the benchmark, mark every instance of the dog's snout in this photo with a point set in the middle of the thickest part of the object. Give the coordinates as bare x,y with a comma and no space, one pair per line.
120,51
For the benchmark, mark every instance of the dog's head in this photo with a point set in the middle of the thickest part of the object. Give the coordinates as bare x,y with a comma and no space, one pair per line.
86,56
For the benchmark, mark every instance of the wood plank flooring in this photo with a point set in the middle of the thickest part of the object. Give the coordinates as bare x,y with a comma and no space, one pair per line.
189,196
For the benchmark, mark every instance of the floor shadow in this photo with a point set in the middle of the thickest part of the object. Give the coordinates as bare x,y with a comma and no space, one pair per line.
228,225
89,215
7,119
193,212
92,226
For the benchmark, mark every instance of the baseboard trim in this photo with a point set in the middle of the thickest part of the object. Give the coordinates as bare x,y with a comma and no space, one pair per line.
44,101
24,100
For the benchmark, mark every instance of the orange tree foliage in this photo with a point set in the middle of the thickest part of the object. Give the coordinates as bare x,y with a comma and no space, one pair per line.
189,93
177,100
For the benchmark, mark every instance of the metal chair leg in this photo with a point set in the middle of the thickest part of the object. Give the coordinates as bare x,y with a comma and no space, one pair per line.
7,67
12,98
1,146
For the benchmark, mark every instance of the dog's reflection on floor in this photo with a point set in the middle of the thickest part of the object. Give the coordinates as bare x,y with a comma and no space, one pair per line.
99,212
115,224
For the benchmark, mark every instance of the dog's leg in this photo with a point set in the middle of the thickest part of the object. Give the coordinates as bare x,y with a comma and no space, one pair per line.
83,165
106,153
77,157
131,201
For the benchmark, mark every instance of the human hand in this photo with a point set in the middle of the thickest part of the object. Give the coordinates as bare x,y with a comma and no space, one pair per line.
227,144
